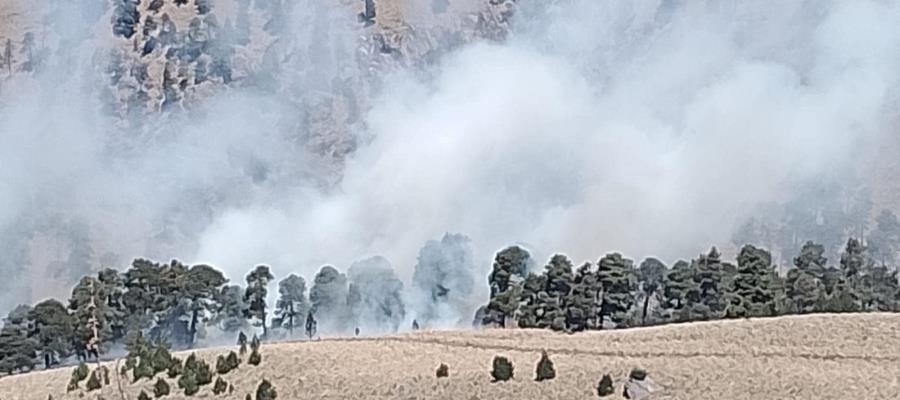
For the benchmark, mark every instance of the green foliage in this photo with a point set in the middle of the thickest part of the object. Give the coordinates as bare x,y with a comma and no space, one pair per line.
617,277
144,369
220,386
651,277
224,364
161,388
292,304
17,350
544,370
508,272
605,386
79,374
161,359
196,373
750,292
143,396
502,369
175,368
265,391
93,382
255,294
443,371
53,328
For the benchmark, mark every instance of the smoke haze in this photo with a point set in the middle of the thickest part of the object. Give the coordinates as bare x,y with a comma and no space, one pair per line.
646,127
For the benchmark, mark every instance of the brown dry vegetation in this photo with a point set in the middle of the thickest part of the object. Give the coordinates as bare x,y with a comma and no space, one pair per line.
802,357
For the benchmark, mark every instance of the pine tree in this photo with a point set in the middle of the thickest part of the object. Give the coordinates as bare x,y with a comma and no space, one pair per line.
804,287
292,303
17,350
677,287
328,296
617,278
53,329
751,293
508,272
255,294
232,310
583,303
200,293
531,309
651,275
559,281
707,298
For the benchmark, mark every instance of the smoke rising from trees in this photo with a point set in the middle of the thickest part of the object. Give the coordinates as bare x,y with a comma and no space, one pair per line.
637,127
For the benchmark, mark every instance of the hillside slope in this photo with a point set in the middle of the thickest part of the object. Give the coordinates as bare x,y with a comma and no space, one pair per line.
805,357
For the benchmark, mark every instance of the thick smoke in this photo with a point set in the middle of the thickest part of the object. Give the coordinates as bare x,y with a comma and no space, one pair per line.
444,281
375,296
646,127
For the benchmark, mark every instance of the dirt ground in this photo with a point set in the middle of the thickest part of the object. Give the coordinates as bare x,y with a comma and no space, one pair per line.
806,357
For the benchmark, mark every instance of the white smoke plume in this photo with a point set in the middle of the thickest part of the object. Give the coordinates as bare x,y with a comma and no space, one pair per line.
646,127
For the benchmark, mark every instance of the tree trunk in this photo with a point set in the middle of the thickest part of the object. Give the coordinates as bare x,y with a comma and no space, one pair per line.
265,330
291,320
646,305
192,332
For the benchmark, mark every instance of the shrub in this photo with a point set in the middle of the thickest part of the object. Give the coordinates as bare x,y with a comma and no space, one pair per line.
443,371
247,397
254,343
161,388
195,374
242,341
161,359
224,364
502,369
175,368
255,358
544,370
78,374
265,391
93,383
144,369
81,372
605,386
220,386
143,396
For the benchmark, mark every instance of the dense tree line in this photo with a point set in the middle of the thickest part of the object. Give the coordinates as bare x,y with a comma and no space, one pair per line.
614,293
176,303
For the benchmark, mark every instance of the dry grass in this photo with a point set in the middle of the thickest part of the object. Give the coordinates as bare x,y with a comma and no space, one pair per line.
809,357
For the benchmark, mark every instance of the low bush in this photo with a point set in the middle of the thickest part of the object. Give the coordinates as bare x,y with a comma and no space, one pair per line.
502,369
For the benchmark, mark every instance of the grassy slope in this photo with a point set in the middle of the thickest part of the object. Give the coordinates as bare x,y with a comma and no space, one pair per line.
807,357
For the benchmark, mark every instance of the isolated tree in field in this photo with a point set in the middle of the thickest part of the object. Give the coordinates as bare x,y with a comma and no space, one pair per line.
17,350
502,369
651,275
328,296
53,329
750,292
292,304
617,277
544,370
255,294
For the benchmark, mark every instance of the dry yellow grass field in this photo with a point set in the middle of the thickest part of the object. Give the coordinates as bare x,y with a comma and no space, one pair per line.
807,357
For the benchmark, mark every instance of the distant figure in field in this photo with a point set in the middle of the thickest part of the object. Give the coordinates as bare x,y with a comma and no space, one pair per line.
357,331
415,326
